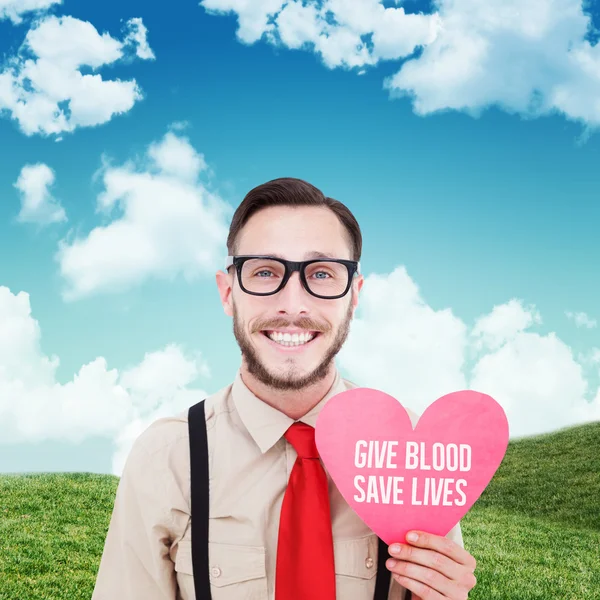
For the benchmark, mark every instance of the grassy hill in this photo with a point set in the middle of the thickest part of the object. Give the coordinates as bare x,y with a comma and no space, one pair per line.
535,531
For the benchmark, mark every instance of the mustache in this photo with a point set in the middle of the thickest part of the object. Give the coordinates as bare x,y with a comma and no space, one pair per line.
302,323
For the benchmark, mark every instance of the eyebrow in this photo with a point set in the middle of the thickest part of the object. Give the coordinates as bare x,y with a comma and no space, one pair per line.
307,256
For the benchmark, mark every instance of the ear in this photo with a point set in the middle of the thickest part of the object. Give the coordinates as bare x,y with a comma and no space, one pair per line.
225,287
357,285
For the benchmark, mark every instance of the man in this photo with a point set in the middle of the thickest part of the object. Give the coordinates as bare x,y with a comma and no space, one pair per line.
278,526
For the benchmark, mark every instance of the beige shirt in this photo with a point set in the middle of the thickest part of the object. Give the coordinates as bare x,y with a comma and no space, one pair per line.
147,553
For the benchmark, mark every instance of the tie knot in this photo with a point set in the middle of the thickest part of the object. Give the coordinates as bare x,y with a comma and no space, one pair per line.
302,437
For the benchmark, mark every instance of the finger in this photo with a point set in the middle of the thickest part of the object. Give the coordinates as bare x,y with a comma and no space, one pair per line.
424,575
445,546
428,558
416,587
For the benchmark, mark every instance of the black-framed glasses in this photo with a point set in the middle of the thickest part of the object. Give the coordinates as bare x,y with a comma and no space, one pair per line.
327,278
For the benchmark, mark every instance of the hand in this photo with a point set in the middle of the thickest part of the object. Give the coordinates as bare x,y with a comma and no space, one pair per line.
432,567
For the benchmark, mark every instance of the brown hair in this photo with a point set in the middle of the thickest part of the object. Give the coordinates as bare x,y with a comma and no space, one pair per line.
289,191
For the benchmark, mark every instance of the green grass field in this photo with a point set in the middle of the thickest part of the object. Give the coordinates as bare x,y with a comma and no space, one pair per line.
535,531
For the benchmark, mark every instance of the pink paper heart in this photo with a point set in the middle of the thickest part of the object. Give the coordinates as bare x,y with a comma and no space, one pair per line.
462,437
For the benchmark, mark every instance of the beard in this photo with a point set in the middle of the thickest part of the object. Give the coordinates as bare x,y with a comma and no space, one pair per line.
293,379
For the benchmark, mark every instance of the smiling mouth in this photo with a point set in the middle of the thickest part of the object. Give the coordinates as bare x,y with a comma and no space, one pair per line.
291,340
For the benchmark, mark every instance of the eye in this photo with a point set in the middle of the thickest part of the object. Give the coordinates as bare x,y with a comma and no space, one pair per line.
322,273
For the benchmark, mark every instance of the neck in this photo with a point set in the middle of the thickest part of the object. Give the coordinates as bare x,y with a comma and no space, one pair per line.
293,403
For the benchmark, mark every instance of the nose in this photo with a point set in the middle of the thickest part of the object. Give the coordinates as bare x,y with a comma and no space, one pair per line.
293,297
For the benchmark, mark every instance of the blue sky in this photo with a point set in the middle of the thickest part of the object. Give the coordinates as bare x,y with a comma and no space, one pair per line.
464,140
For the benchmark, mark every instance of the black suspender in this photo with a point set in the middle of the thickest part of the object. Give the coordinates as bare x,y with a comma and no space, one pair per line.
199,499
200,511
382,581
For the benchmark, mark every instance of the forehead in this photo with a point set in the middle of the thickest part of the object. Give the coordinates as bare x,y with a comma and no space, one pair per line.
295,233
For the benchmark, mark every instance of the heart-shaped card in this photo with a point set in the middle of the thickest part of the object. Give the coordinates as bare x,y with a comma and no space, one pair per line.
397,478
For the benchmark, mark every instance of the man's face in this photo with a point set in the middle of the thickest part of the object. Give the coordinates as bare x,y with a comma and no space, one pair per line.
292,233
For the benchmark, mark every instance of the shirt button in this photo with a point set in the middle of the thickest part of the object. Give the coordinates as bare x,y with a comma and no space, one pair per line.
369,563
215,572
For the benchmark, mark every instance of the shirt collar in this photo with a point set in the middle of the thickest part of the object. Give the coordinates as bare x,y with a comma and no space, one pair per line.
266,424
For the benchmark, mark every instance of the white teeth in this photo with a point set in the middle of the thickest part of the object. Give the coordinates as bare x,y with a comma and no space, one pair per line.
291,339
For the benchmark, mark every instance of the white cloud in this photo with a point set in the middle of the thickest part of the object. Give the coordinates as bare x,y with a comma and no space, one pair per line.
253,16
37,203
162,375
503,324
538,382
298,25
164,222
401,345
97,401
181,400
337,30
137,37
179,125
159,388
581,319
15,9
530,58
589,358
541,384
43,88
175,157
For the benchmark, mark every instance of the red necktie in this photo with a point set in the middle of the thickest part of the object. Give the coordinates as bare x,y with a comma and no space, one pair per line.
305,563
